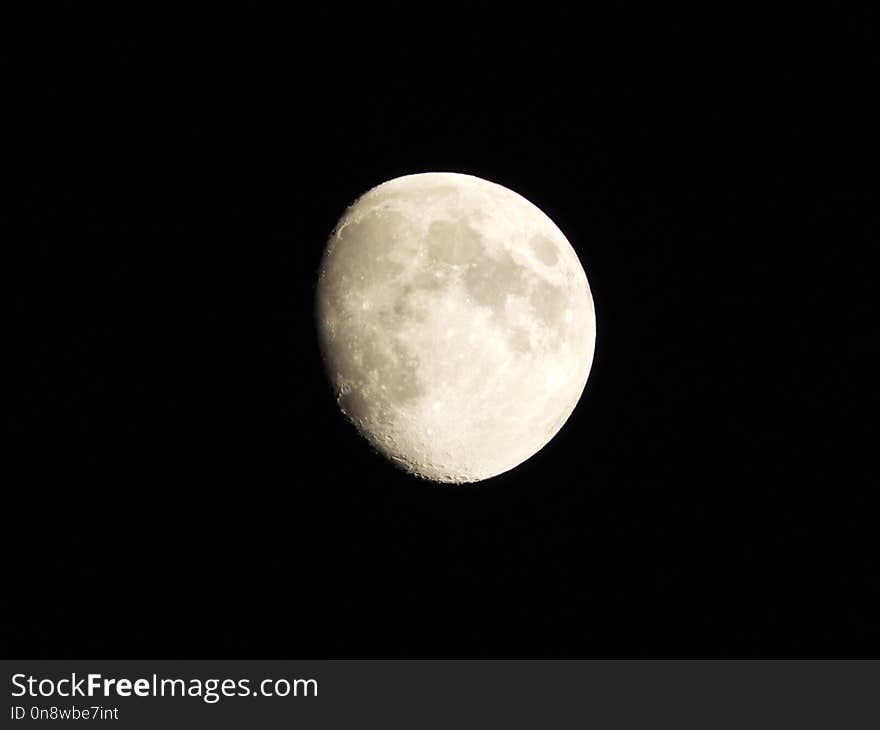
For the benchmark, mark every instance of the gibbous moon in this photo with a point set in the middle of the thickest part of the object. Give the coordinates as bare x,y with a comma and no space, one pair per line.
456,324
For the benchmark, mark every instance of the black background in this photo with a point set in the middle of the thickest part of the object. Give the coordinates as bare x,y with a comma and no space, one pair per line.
181,481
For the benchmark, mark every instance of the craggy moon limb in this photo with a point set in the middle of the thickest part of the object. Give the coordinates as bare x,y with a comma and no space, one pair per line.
456,324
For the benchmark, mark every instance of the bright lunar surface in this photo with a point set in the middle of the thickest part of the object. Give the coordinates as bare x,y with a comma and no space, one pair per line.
456,324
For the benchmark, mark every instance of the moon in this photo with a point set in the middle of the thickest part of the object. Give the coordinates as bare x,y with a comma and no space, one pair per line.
456,325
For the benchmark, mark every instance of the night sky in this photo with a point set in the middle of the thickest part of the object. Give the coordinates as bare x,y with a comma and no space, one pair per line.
182,482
